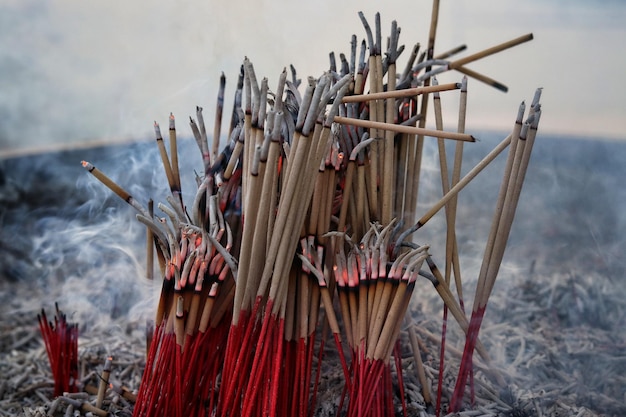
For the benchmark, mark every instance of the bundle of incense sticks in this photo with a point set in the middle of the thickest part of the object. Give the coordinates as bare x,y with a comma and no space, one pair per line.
521,143
61,341
193,248
313,196
374,293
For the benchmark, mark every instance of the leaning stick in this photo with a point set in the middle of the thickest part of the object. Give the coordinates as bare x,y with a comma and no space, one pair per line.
449,53
490,51
112,185
407,92
404,129
483,78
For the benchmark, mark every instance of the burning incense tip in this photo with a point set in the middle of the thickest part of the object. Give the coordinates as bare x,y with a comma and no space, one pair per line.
113,186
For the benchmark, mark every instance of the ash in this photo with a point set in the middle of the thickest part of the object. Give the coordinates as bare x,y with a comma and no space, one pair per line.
553,327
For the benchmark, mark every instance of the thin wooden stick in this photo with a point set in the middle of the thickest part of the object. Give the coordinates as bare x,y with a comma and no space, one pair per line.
165,160
456,177
404,129
407,92
113,186
388,170
449,53
483,78
490,51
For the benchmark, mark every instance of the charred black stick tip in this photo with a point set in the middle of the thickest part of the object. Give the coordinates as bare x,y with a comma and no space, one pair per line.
501,87
368,31
430,277
378,46
400,241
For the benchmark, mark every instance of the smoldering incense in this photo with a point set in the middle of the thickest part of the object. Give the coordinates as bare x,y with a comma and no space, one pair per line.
113,186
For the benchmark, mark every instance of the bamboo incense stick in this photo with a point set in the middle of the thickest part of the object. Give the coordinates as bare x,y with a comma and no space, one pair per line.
166,162
483,78
490,51
123,194
388,161
416,147
450,238
404,129
407,92
447,54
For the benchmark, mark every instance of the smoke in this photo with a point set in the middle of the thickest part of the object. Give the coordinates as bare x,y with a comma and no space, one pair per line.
73,241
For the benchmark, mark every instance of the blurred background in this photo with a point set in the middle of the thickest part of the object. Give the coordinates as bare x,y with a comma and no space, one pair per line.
75,72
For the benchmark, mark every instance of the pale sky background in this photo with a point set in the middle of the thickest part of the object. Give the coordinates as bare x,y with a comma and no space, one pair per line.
73,72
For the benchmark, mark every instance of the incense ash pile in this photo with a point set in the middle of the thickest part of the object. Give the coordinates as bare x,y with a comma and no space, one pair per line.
303,246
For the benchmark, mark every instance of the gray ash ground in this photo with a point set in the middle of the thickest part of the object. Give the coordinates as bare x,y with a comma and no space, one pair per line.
554,326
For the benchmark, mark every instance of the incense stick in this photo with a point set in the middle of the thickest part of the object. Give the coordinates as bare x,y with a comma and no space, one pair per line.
113,186
405,129
490,51
407,92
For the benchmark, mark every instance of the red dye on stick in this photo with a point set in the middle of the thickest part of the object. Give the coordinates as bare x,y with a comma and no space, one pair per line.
61,340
